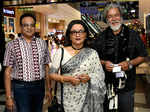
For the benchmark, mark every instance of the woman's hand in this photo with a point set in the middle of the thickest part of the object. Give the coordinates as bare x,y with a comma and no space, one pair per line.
48,95
74,81
84,78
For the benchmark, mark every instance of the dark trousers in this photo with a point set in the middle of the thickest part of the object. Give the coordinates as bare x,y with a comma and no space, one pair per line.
125,102
29,96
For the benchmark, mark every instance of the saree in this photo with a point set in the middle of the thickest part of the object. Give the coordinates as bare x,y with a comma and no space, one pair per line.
85,97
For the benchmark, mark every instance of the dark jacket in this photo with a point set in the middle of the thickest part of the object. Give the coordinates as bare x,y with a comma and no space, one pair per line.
116,48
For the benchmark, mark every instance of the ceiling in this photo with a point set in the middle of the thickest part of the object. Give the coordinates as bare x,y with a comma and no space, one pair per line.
61,11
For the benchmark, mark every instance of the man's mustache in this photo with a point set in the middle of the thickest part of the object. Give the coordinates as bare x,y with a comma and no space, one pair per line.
115,22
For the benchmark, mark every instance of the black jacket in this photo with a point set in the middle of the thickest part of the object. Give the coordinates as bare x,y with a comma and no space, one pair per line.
116,48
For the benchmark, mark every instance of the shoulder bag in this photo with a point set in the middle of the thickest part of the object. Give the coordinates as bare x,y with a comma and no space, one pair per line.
55,106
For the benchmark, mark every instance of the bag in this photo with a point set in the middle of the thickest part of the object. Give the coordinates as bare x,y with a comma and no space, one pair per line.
121,78
55,106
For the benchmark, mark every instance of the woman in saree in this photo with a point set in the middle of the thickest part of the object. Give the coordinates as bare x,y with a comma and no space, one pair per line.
82,74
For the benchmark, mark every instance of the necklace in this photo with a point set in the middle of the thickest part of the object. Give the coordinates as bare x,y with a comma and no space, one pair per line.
76,48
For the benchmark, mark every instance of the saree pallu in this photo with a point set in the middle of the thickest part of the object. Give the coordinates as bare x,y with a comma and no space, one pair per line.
85,97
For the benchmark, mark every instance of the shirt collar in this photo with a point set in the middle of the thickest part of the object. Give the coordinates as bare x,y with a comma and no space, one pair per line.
33,38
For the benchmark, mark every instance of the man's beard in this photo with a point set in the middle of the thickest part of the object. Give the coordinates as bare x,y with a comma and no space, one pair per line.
116,27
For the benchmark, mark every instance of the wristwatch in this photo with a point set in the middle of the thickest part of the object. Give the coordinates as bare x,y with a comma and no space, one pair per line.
129,63
9,97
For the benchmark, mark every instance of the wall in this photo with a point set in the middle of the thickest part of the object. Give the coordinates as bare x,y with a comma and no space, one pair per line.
144,7
40,23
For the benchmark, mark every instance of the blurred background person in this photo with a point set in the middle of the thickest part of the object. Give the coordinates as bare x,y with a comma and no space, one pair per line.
143,36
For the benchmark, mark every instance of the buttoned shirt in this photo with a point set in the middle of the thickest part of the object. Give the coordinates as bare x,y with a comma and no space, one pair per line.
27,60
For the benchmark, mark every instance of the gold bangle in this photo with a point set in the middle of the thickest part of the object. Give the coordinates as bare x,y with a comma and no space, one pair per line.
61,79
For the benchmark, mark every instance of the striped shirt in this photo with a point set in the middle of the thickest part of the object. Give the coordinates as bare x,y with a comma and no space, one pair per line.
27,60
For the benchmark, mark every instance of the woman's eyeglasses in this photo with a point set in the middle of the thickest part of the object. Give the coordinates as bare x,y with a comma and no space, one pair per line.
77,32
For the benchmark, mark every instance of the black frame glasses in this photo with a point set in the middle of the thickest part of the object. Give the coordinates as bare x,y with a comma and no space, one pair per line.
77,32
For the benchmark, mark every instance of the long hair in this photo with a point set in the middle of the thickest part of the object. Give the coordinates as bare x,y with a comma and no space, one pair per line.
67,36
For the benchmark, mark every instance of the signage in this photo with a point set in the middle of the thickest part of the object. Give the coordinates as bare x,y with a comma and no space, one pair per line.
96,9
9,12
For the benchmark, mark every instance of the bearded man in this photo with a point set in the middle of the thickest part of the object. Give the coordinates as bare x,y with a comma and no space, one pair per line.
120,50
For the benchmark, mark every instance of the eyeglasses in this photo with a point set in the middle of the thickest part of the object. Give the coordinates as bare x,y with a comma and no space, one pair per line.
28,25
77,32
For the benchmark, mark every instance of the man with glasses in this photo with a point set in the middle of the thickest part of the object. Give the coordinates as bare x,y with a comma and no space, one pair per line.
26,60
120,50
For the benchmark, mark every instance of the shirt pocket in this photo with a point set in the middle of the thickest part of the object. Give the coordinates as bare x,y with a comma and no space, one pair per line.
42,57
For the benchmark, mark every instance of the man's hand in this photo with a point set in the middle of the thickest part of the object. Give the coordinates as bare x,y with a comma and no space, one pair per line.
108,66
124,65
10,104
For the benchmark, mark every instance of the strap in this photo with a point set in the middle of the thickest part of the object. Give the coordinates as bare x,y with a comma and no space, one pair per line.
55,91
61,74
